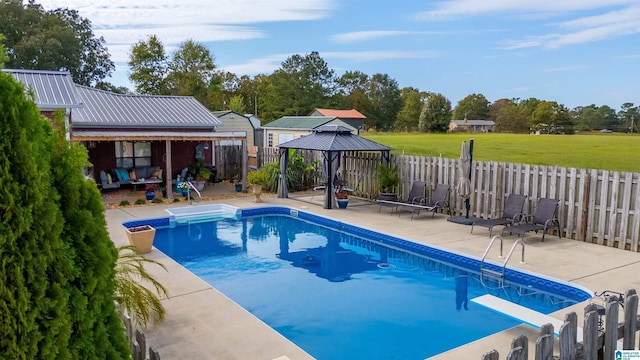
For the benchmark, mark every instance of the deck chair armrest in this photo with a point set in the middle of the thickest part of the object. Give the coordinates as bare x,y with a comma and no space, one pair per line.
526,218
517,218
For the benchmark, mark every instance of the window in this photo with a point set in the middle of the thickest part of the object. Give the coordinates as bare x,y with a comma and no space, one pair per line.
133,153
270,140
283,138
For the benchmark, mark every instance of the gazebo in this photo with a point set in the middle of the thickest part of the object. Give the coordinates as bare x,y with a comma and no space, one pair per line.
331,140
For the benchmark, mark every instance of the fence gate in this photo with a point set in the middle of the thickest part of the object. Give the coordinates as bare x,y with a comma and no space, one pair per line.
229,162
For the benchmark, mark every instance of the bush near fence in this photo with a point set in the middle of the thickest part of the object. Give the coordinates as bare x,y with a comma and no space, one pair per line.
596,206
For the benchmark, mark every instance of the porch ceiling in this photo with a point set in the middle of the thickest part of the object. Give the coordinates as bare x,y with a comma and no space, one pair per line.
106,135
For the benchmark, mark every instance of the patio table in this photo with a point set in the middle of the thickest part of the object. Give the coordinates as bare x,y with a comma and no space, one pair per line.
144,182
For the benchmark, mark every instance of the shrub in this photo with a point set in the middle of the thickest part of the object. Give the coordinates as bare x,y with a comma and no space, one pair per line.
124,203
258,177
157,201
141,202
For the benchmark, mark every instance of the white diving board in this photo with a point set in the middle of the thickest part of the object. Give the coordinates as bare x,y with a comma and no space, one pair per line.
522,313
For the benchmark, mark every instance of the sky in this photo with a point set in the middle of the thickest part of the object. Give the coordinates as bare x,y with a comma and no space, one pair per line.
574,52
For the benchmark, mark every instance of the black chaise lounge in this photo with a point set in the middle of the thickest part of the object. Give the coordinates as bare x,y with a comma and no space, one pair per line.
511,214
543,218
439,200
416,196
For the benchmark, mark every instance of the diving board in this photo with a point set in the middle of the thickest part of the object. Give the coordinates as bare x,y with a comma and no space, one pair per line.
522,313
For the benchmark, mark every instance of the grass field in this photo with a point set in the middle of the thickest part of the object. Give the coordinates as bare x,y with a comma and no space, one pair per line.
619,152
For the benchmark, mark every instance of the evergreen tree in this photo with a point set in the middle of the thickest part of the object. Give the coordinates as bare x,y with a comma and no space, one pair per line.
57,266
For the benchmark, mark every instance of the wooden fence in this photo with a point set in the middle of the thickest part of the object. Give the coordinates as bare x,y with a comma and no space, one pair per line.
599,339
597,206
136,338
229,162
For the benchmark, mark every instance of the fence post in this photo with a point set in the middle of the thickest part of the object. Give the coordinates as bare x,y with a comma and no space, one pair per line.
519,348
567,339
153,354
630,319
611,328
544,347
590,335
142,341
491,355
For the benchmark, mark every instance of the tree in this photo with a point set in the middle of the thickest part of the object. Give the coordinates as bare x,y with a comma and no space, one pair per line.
436,114
351,94
386,101
3,52
549,117
57,293
301,84
236,103
96,326
149,67
408,117
512,118
629,116
472,107
498,105
58,40
191,71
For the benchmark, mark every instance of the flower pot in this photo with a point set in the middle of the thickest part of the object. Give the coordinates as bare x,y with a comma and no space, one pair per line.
342,203
257,191
200,185
141,237
238,187
185,193
150,195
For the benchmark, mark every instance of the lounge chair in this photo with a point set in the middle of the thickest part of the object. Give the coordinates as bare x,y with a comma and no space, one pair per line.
439,200
415,196
543,218
511,214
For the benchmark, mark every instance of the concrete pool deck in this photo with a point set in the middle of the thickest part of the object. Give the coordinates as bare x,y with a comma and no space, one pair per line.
202,323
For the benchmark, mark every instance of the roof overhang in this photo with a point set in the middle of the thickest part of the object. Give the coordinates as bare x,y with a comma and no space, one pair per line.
110,135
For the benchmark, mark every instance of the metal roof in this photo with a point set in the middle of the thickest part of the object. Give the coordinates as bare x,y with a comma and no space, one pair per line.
473,122
299,122
51,89
334,138
344,114
107,109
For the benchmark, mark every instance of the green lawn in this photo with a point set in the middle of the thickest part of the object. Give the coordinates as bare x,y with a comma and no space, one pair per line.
619,152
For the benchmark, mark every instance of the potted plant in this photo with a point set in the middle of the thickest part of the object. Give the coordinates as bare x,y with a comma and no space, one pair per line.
141,237
200,173
342,198
183,187
388,180
257,179
150,191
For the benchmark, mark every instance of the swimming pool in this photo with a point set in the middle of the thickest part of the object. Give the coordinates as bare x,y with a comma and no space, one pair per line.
351,293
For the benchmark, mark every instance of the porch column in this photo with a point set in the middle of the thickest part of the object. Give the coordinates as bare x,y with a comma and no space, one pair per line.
245,163
168,176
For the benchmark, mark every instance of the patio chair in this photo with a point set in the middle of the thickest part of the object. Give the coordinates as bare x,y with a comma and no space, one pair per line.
415,196
439,200
511,214
543,218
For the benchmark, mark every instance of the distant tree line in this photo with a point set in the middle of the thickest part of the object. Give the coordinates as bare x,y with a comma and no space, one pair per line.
302,83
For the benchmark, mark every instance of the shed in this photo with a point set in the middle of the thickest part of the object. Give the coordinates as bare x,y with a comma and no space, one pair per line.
288,128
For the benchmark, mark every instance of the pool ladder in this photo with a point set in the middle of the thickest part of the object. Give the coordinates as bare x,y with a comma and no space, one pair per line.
194,189
496,274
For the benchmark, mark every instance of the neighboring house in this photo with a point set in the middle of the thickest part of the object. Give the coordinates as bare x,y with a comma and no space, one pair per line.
352,117
472,125
129,130
238,123
292,127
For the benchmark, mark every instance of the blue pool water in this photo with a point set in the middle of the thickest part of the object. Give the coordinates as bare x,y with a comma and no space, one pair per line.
339,295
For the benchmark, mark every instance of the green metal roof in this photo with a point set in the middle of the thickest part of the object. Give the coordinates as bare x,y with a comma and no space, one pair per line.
300,122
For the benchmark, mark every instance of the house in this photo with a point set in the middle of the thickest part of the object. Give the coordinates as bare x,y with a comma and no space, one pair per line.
471,125
352,117
128,131
239,123
293,127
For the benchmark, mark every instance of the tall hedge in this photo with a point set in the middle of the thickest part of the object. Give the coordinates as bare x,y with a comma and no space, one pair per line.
56,260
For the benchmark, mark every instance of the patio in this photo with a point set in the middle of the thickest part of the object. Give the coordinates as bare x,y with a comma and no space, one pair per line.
202,323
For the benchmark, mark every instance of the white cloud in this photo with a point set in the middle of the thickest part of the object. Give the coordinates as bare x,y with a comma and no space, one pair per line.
357,36
456,9
586,29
